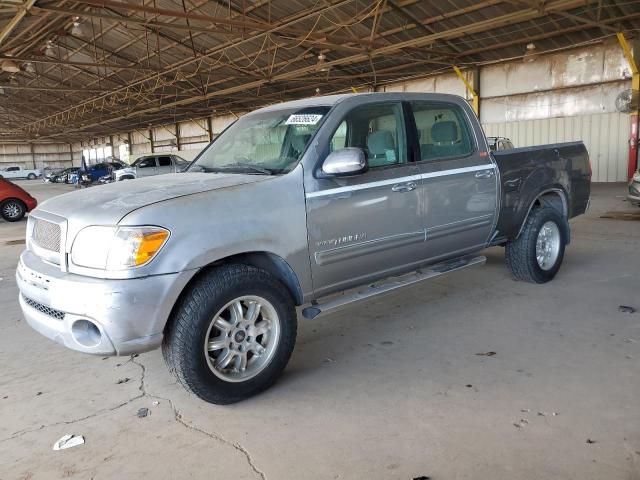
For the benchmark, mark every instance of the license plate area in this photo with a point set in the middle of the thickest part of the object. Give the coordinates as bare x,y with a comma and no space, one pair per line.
34,279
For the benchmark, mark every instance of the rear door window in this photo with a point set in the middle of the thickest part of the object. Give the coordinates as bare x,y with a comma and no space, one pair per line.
443,130
164,161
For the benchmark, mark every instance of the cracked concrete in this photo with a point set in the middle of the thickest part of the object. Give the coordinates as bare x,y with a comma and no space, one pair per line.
178,417
389,389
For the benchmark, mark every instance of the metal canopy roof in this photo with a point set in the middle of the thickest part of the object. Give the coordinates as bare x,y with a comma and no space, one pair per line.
72,70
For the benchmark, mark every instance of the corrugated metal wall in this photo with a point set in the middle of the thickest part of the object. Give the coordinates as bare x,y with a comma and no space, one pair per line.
39,156
605,136
559,97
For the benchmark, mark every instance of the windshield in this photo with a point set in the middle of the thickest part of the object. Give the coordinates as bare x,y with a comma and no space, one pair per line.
265,143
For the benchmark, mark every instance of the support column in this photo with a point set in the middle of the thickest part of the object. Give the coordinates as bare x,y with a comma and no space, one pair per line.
130,144
475,102
71,152
178,136
151,139
33,156
210,129
476,88
632,52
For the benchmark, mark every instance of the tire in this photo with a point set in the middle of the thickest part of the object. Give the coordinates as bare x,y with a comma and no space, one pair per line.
210,301
521,254
12,210
31,176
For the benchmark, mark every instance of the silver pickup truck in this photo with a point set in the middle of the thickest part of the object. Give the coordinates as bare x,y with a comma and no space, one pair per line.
316,203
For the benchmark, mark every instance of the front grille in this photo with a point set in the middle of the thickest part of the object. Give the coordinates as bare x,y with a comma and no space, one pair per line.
52,312
46,235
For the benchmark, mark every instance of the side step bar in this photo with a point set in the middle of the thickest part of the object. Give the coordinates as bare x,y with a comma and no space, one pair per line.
431,271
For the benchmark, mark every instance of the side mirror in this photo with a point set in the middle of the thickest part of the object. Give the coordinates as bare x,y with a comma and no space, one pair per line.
344,162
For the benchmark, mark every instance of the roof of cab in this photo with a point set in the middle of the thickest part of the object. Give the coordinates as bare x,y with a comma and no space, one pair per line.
324,101
331,100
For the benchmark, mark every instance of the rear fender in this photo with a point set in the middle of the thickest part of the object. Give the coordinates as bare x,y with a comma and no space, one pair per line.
555,198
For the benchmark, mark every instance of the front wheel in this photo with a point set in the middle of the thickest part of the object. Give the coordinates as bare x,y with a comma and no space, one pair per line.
12,210
232,334
536,255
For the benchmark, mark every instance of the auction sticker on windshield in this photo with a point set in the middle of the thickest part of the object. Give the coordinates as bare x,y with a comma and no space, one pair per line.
303,119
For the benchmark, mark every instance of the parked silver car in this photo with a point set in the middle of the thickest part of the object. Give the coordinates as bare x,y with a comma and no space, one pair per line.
150,165
290,205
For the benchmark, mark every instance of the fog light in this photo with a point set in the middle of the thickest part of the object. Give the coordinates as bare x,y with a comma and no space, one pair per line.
86,333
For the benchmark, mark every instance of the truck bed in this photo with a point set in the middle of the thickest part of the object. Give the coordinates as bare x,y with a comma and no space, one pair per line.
527,172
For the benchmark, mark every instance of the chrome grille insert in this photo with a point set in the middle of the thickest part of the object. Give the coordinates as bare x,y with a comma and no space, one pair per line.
46,235
52,312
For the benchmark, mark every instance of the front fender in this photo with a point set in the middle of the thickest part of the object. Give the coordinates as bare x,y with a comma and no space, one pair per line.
207,227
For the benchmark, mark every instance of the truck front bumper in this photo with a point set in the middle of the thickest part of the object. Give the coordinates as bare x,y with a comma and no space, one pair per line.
98,316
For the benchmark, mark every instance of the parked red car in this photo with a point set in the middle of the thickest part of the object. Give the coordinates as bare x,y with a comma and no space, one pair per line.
14,201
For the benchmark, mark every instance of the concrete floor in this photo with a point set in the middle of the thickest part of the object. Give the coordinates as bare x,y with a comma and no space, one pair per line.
390,389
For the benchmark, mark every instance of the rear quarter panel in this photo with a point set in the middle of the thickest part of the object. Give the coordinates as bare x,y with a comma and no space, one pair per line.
528,172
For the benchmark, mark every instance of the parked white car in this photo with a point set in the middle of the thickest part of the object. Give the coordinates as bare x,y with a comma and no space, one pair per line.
19,172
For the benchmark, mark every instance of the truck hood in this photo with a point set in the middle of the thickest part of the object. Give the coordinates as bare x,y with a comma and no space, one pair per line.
108,204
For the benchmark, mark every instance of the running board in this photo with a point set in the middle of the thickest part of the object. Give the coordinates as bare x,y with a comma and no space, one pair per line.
377,288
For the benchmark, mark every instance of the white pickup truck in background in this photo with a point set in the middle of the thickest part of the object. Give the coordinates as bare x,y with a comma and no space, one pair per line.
19,172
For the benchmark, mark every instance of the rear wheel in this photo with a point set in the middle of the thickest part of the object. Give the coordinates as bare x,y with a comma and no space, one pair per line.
537,254
232,334
31,176
12,210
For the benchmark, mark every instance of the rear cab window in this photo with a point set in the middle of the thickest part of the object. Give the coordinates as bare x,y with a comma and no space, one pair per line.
443,130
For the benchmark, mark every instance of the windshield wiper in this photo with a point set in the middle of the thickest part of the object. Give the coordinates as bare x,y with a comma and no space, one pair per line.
249,166
192,168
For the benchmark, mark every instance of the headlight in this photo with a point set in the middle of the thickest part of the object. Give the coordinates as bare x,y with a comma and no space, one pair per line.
117,248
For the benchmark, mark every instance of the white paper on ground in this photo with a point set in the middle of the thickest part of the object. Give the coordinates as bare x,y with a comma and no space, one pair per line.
68,441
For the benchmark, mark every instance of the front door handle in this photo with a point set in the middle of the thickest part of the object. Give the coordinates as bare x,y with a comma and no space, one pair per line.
404,187
484,174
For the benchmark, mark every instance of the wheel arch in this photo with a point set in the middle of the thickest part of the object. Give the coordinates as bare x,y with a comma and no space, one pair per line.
555,198
270,262
5,200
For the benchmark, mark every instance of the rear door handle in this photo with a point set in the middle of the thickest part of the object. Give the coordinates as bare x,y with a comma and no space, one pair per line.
484,174
404,187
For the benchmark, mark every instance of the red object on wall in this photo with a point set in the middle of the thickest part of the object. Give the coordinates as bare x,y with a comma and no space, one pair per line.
633,145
